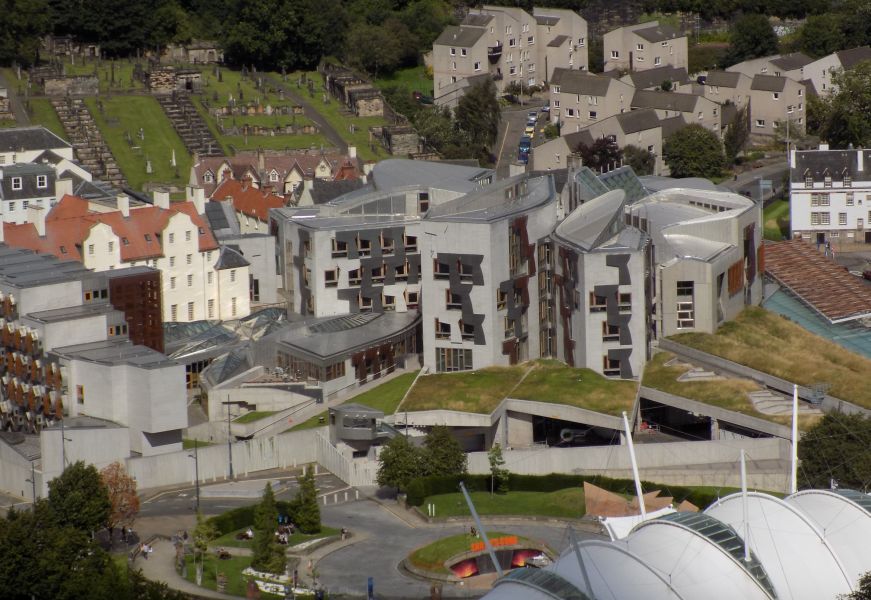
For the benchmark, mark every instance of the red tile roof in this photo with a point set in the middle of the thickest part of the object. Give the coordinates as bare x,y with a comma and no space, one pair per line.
817,280
68,225
248,199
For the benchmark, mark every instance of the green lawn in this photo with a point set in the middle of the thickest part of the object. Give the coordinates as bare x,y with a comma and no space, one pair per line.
254,415
42,113
478,391
386,397
189,444
553,381
7,123
232,568
413,79
229,540
775,220
567,503
127,114
772,344
115,76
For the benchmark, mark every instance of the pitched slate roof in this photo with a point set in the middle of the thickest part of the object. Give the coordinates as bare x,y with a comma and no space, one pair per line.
28,173
29,138
477,19
547,20
768,83
655,77
658,33
323,191
671,125
247,199
850,57
638,120
462,37
792,61
230,259
726,79
818,163
572,81
558,41
664,100
69,223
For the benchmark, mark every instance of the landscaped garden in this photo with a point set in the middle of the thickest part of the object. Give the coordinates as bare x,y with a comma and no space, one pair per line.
775,220
564,504
772,344
254,415
234,539
432,557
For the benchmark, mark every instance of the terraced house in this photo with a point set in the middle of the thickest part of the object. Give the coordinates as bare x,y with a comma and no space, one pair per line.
199,279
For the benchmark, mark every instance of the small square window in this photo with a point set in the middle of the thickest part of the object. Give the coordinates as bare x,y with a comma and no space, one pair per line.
42,181
187,236
17,184
615,54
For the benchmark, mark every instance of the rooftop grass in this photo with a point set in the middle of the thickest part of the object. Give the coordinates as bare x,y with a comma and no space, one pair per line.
775,220
189,444
553,381
566,504
254,415
432,557
43,113
772,344
128,114
385,397
478,391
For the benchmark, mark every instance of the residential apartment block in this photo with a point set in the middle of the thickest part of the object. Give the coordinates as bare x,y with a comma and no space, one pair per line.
819,72
67,351
23,185
509,45
644,46
26,144
694,109
579,99
199,280
830,195
786,65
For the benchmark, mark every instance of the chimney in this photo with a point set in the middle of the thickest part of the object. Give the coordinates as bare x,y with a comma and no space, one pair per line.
36,215
246,181
860,161
824,146
63,187
792,158
261,160
197,195
352,151
122,201
161,199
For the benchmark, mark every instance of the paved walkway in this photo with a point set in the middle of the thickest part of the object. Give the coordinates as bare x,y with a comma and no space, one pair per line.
21,117
299,95
160,566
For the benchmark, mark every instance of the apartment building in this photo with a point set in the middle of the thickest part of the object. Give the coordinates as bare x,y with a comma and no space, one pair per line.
23,185
68,352
644,46
26,144
579,99
510,45
199,280
694,109
780,65
830,195
819,72
666,78
776,99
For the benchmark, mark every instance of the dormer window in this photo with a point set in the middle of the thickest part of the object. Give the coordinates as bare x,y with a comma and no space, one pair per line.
17,184
208,177
827,180
273,176
42,181
848,181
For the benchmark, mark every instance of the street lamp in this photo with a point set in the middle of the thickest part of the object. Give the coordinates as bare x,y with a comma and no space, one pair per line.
196,458
228,403
32,481
63,446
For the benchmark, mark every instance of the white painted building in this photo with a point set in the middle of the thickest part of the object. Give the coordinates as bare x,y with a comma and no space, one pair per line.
26,144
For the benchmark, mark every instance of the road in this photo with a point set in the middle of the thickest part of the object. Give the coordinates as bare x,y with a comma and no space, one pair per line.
747,183
511,128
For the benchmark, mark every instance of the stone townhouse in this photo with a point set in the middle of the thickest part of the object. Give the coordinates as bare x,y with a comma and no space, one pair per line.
780,65
776,99
819,72
673,78
694,108
644,46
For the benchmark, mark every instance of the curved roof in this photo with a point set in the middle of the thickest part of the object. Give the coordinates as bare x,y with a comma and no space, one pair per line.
547,584
595,221
844,517
722,549
800,562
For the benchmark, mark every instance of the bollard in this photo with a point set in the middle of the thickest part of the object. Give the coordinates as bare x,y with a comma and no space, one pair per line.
346,495
335,498
325,500
356,494
316,468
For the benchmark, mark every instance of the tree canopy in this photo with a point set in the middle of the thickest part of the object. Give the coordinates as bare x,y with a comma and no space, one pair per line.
23,23
694,151
306,512
837,447
268,555
602,155
844,116
442,453
400,462
123,500
79,498
737,134
478,113
751,36
641,161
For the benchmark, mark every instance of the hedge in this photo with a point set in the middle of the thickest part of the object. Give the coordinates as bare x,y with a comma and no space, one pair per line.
243,517
419,489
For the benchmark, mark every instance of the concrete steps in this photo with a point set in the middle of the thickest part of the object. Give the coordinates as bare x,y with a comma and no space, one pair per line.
90,147
770,403
190,126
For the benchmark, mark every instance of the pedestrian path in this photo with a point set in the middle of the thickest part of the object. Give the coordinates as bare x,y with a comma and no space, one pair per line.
160,566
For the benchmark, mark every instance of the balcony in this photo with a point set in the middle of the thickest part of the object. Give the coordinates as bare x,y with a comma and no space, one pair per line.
494,53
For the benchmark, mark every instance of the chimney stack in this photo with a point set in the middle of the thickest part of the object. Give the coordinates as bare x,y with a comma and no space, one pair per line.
161,199
36,215
824,145
122,201
860,161
352,151
197,195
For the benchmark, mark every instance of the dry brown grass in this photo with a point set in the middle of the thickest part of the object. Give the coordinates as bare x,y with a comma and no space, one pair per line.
772,344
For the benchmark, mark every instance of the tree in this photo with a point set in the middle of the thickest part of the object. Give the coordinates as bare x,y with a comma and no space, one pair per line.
268,554
442,454
694,151
863,592
378,49
498,475
399,463
641,161
845,115
836,447
123,501
478,114
736,135
23,23
79,499
602,155
306,512
821,35
751,36
204,532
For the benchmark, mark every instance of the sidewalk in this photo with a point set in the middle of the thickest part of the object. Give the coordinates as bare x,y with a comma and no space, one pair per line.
160,567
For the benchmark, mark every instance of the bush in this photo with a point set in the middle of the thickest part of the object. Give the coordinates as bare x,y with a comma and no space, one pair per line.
244,517
423,487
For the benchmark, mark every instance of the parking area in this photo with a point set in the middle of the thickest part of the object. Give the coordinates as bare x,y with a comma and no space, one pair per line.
516,121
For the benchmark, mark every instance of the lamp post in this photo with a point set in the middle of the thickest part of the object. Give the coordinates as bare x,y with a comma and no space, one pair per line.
196,457
63,446
32,481
229,403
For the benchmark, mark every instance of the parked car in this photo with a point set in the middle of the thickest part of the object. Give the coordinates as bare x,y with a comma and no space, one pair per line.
525,143
530,131
511,98
532,115
545,108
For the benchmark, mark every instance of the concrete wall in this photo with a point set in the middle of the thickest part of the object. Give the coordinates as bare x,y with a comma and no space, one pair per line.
15,472
98,446
85,85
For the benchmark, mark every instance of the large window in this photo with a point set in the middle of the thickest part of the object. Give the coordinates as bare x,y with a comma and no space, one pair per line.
453,359
685,305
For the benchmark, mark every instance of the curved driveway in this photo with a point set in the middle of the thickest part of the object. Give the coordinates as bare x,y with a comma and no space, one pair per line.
387,539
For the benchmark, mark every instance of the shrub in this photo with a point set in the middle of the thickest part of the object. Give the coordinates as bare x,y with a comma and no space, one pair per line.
244,517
